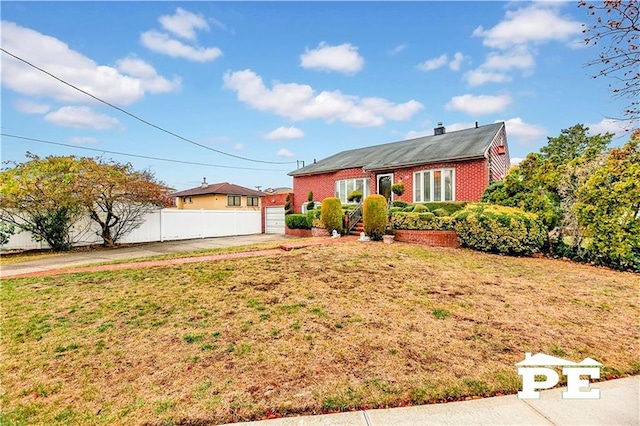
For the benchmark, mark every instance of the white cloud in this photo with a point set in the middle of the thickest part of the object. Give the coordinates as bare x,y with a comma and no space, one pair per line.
434,63
478,105
148,75
441,61
282,133
301,102
285,153
413,134
29,107
162,43
239,147
536,23
184,23
83,140
459,126
525,133
495,66
55,56
456,63
81,117
399,48
519,57
343,58
479,77
610,125
516,160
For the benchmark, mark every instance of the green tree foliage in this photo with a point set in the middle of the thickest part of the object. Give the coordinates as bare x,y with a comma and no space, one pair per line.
6,231
374,216
534,185
48,196
310,204
117,197
608,208
499,229
41,196
331,214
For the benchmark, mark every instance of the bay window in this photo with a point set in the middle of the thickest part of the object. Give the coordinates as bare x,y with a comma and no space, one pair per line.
346,186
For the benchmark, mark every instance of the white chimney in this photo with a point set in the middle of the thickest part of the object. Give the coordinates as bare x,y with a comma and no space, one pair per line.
204,183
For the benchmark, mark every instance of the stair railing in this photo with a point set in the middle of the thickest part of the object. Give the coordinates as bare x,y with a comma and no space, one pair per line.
354,217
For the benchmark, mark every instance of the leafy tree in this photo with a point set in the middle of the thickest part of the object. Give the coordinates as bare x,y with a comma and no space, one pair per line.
534,185
117,197
616,29
48,197
6,231
40,196
608,208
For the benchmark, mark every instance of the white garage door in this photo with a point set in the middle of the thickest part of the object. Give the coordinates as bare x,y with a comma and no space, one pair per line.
274,218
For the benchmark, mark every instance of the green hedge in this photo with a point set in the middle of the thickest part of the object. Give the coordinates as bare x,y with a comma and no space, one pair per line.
498,229
450,207
331,214
298,221
374,216
421,222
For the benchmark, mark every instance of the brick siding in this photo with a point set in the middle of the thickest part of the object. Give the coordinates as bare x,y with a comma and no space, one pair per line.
471,179
428,238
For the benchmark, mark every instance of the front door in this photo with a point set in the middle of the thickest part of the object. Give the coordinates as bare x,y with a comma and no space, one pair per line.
384,185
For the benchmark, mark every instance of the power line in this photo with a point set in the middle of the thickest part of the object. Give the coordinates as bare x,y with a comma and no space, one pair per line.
135,155
138,118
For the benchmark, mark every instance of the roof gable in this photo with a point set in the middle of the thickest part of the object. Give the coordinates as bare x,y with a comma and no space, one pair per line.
453,146
224,188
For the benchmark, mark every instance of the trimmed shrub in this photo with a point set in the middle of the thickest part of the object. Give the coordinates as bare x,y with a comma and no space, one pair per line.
297,221
313,215
420,208
354,196
421,222
428,216
409,208
374,216
331,214
440,212
498,229
310,205
287,205
400,203
450,207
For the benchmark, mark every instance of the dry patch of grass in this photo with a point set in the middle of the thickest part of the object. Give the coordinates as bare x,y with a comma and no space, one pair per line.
326,328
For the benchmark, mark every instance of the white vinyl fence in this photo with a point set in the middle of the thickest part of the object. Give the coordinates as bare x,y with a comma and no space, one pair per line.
162,225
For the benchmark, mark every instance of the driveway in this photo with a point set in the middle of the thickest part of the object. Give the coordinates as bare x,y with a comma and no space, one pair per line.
83,257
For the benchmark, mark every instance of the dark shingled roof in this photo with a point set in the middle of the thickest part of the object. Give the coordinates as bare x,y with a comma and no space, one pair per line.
225,188
452,146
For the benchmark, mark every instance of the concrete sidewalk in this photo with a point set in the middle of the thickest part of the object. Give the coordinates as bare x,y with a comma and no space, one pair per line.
84,257
619,404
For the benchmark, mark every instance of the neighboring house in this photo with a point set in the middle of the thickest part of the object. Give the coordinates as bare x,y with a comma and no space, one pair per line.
219,196
454,166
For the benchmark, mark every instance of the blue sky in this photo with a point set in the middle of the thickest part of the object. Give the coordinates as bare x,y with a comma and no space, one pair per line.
282,82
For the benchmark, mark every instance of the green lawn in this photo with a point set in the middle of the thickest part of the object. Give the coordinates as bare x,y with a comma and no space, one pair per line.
326,328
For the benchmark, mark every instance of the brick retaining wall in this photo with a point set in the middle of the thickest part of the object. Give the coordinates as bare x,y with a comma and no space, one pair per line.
428,238
297,232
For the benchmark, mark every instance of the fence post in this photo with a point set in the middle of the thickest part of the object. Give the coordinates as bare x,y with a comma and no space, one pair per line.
161,231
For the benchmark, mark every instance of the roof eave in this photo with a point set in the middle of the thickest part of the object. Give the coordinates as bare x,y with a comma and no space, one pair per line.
417,163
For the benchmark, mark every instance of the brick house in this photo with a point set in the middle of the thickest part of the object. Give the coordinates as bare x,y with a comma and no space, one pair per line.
446,166
219,196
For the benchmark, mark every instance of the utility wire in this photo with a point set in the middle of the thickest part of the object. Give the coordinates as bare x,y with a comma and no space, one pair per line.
141,119
134,155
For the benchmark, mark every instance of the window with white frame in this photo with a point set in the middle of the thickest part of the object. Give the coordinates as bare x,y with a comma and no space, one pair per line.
346,186
434,185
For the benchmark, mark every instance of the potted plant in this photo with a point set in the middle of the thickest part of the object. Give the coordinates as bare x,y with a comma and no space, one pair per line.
398,188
